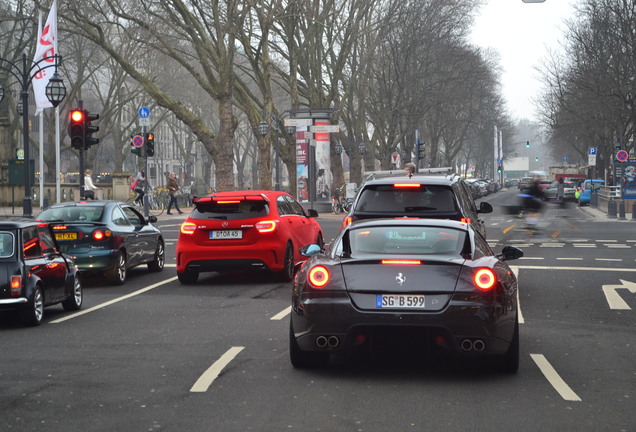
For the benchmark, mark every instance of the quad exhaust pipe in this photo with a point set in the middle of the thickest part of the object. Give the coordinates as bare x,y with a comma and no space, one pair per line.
477,345
330,342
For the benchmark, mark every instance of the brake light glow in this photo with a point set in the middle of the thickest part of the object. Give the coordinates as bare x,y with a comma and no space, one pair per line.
407,185
465,220
266,226
402,262
188,228
59,227
346,222
485,279
228,202
99,234
16,284
318,276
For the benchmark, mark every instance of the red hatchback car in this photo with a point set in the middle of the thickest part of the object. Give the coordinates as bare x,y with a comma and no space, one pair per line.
239,230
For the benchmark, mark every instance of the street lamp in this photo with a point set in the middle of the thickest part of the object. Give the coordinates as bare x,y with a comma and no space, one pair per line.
55,92
263,129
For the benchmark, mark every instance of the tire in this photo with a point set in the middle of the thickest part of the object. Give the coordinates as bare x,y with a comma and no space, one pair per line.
509,362
287,274
118,274
33,312
304,359
188,278
335,207
320,241
156,265
74,302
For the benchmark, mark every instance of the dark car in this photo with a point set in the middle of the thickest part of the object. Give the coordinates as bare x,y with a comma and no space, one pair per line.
414,281
421,196
245,231
106,237
33,271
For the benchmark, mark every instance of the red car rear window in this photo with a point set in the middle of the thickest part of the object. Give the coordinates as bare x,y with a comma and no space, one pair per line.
230,209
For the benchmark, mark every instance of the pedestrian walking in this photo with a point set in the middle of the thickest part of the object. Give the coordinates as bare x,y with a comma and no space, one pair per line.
89,187
173,189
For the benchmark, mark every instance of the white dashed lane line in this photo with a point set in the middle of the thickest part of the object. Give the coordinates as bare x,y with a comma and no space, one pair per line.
554,379
205,380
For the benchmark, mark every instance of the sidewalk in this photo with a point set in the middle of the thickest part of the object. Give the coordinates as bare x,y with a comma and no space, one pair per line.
602,216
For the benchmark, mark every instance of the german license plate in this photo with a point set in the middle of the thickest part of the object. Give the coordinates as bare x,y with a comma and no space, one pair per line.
66,236
226,234
414,301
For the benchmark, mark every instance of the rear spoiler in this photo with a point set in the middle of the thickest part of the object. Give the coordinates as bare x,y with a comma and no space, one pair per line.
237,197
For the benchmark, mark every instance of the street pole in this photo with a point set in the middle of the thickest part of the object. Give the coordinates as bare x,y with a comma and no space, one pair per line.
277,183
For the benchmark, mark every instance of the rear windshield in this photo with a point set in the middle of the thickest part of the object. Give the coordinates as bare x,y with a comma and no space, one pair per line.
7,244
368,242
230,211
72,214
391,199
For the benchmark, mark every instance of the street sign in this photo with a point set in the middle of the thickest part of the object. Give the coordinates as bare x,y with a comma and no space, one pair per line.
144,121
565,158
591,150
144,112
298,122
591,159
324,128
138,141
622,155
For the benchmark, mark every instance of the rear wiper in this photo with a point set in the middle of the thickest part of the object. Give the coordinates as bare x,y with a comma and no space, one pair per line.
411,209
218,217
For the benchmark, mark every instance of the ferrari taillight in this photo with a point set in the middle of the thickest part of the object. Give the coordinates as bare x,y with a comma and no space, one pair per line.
266,226
485,279
318,276
16,285
100,234
188,228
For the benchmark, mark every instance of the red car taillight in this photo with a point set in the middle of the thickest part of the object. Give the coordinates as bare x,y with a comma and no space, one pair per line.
16,285
318,276
188,228
346,222
100,234
266,226
485,279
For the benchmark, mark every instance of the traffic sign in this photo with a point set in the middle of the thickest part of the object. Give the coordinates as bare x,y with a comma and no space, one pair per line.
622,155
144,112
591,150
324,128
298,122
138,141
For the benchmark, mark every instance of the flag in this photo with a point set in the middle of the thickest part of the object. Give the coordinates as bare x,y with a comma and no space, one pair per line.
46,47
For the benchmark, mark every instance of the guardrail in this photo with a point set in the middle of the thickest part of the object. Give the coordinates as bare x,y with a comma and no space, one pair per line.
610,192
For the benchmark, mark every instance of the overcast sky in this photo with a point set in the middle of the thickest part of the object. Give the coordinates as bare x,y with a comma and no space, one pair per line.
521,33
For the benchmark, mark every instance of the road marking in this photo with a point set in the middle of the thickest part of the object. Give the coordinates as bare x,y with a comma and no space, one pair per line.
554,379
584,245
556,234
631,270
570,259
205,380
531,258
282,314
515,270
118,299
608,259
618,246
552,245
606,241
614,300
509,228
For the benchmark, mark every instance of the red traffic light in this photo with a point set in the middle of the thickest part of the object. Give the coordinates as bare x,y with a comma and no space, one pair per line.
77,116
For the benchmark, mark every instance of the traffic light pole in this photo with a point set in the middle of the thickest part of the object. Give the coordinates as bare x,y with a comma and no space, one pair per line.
146,183
80,105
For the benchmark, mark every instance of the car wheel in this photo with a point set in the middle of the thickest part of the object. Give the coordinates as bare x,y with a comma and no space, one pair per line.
320,241
510,360
118,275
304,359
34,310
74,302
157,264
188,278
287,274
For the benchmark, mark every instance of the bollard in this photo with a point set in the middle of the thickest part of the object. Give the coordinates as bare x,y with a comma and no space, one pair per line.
611,208
621,210
45,202
593,199
634,211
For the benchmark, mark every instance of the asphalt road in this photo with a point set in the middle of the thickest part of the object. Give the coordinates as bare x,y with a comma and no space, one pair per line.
156,355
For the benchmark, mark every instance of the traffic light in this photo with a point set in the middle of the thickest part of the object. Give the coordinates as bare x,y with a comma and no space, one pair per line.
499,168
421,150
149,143
90,129
76,129
527,144
536,159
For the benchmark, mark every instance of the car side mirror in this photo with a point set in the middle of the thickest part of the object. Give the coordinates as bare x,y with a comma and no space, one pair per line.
152,219
484,207
310,250
312,213
509,253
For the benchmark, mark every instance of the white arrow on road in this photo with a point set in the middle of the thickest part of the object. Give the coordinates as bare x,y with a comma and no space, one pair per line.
614,300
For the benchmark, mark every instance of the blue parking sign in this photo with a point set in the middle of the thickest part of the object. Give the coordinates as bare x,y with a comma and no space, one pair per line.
591,150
